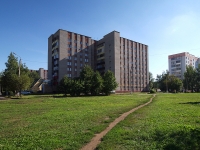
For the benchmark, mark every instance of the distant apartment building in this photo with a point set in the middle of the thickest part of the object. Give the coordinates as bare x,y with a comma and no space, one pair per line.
178,62
42,73
68,52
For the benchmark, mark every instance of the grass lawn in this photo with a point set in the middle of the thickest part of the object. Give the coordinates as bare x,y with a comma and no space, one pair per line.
171,122
46,122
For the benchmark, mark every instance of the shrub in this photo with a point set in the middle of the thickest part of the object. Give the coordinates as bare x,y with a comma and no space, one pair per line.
152,91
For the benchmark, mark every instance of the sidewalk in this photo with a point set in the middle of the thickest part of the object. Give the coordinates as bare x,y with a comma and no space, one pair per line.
2,97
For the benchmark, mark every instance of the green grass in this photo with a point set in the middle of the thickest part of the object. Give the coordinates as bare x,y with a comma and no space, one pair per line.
171,122
46,122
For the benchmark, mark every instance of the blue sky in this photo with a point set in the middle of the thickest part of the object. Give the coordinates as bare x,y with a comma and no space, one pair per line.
166,26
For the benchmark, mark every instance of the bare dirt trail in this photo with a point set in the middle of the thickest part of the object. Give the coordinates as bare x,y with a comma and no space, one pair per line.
97,139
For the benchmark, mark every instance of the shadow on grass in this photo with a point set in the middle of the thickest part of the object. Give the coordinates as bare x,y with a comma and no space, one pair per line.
178,140
63,96
192,103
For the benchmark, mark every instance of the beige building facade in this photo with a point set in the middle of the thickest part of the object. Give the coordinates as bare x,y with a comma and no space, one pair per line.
177,63
42,73
68,52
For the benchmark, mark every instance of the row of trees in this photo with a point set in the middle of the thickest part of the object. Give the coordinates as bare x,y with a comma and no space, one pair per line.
89,82
192,79
166,82
16,77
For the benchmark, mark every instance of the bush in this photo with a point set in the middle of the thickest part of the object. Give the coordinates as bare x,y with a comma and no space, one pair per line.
152,91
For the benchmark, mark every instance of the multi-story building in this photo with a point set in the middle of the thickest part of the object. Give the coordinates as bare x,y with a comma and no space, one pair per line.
68,52
42,73
178,62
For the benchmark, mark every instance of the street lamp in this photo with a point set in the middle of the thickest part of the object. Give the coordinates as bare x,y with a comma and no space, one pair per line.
19,65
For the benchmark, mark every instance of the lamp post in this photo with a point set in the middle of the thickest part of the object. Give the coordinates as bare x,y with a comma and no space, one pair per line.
19,65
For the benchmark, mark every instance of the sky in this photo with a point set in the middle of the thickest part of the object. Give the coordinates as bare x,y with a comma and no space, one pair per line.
166,26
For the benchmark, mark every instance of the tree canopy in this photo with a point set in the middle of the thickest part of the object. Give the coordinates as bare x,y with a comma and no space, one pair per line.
11,78
90,82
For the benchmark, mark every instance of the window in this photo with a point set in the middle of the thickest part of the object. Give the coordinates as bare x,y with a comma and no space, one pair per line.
99,51
75,69
69,69
75,58
75,64
86,54
69,63
69,57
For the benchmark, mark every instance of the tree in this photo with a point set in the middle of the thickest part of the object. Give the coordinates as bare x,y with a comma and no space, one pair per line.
12,65
86,78
175,84
189,78
151,81
109,82
12,79
198,78
97,83
76,87
162,81
22,82
64,85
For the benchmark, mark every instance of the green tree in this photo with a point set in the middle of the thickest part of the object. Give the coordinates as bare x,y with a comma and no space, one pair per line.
12,65
14,77
1,75
175,84
97,83
22,82
198,78
9,72
189,78
162,81
86,76
109,82
76,87
64,85
151,81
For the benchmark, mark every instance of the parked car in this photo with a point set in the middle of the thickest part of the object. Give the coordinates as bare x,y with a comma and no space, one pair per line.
25,92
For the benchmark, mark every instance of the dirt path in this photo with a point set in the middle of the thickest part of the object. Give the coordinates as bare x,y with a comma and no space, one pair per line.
97,139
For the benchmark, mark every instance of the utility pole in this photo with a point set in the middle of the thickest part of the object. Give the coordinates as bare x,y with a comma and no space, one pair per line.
19,65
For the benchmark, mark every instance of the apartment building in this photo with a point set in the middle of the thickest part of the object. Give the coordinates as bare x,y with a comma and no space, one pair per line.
68,52
42,73
177,63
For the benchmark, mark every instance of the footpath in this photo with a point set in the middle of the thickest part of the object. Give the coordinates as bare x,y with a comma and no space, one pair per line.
97,139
